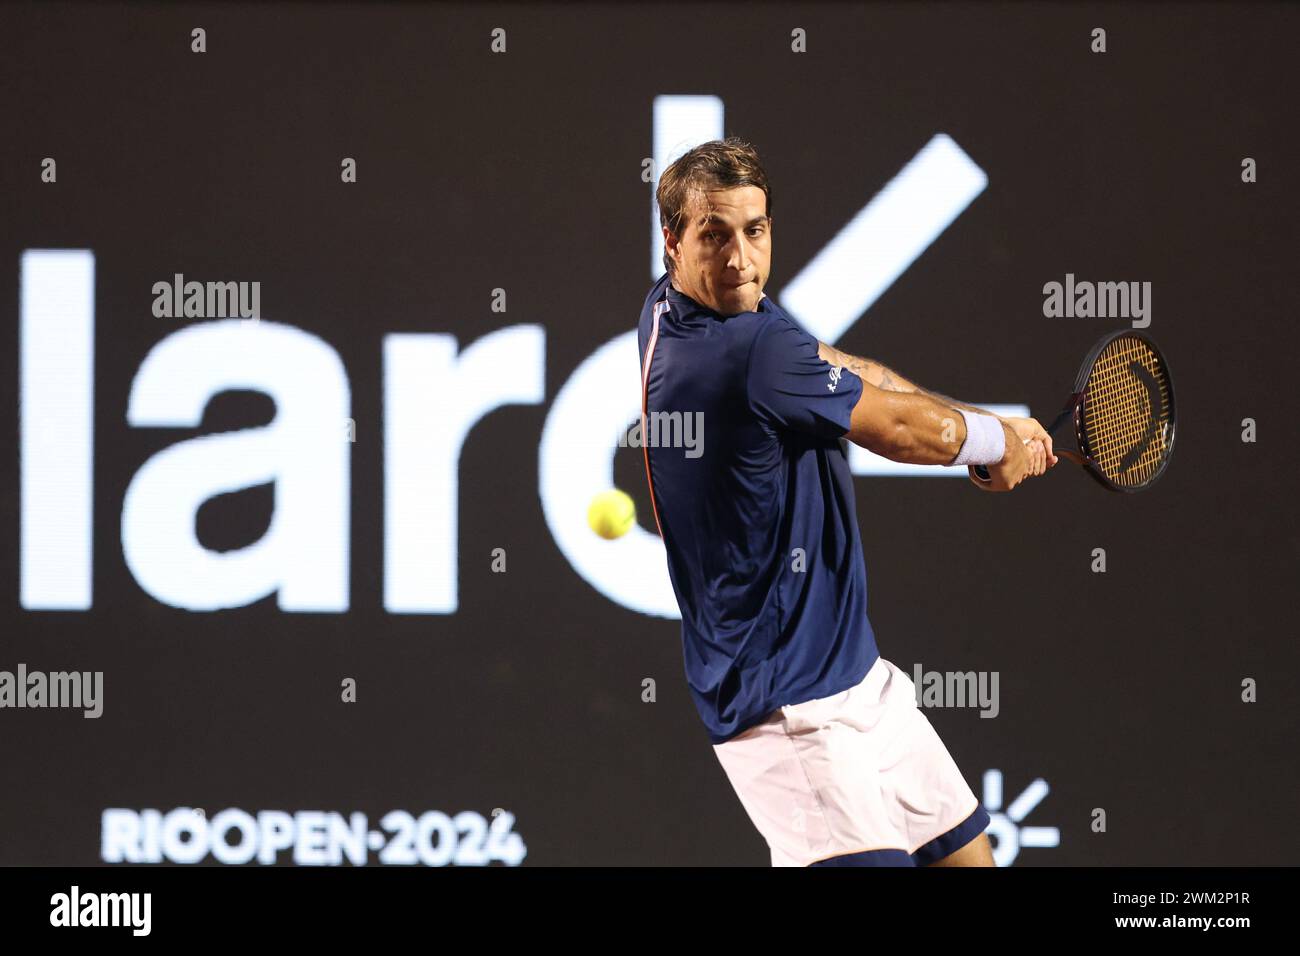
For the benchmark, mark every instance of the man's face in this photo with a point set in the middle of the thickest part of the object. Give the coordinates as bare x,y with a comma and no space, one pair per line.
724,255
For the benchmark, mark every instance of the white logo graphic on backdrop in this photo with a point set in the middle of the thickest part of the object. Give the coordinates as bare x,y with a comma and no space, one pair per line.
434,393
304,554
1004,828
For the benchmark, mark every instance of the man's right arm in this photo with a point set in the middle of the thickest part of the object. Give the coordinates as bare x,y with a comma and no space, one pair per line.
909,427
791,386
918,429
886,379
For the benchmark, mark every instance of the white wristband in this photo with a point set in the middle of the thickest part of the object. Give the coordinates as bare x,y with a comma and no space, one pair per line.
986,442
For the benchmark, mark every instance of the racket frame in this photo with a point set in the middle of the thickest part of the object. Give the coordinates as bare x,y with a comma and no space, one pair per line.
1074,408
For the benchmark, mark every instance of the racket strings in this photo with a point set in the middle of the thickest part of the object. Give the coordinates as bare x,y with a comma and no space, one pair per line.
1118,413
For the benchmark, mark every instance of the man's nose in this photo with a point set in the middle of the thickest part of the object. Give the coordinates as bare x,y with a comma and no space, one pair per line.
739,259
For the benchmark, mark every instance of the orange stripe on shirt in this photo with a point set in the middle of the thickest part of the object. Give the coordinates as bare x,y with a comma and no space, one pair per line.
660,307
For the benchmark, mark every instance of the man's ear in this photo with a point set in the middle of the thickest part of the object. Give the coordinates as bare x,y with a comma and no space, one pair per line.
670,242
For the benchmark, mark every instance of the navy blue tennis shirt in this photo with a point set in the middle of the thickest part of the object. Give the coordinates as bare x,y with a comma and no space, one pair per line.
758,518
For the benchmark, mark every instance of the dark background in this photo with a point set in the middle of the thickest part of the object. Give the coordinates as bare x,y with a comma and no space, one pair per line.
522,171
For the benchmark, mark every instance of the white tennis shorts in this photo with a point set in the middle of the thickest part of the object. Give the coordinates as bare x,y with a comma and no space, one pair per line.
859,778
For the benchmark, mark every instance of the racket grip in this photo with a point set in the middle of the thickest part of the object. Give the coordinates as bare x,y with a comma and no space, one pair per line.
982,473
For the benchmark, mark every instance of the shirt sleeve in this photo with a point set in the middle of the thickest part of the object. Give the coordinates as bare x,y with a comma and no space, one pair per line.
793,388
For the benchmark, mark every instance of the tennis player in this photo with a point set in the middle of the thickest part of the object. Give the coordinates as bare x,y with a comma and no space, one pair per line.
819,735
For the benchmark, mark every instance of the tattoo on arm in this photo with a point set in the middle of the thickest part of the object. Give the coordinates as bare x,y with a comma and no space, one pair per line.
956,404
865,369
869,370
886,379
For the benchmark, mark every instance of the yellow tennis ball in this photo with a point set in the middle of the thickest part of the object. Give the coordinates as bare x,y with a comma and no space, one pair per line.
612,514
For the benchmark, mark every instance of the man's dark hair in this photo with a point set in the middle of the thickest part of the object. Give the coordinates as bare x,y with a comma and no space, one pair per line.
717,164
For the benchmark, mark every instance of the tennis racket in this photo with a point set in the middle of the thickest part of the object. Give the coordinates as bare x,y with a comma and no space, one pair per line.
1123,411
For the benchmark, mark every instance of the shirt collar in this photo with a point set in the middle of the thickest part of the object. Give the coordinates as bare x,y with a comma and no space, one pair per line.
683,305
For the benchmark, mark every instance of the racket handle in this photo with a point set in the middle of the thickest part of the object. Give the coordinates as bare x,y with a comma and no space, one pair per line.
982,473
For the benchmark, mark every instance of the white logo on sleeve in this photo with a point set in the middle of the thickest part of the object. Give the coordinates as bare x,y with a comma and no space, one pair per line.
835,378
